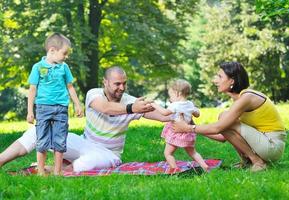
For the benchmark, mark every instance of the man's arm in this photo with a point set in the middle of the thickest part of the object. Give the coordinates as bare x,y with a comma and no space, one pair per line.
114,108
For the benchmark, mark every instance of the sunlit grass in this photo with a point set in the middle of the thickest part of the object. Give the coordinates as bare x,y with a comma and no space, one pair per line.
143,143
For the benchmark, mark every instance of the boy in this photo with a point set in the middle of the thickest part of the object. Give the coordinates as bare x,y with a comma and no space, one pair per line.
50,82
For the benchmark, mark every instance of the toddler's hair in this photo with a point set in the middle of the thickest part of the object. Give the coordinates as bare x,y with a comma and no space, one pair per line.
56,40
182,86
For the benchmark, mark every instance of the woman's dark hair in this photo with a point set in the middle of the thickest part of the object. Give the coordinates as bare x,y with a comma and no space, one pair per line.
236,71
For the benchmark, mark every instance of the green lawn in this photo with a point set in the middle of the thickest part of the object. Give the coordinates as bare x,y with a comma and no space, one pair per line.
144,144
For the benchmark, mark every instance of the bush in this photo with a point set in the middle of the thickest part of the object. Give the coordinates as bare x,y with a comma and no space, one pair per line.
13,104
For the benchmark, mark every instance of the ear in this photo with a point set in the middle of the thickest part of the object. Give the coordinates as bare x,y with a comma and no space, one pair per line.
104,81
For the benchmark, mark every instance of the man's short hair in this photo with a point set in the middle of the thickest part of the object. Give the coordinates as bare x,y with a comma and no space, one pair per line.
116,69
57,41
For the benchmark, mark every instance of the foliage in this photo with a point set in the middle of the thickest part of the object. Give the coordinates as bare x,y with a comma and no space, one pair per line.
138,35
143,143
9,98
272,8
234,32
191,68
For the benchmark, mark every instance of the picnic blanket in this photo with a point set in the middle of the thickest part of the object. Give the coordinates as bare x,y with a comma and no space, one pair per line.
135,168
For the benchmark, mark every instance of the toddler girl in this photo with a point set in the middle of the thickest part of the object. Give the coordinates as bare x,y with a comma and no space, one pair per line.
178,91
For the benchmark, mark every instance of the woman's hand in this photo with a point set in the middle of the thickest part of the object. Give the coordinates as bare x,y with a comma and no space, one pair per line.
181,125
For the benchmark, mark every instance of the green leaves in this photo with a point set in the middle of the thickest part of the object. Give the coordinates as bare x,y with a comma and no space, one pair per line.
141,36
272,8
234,32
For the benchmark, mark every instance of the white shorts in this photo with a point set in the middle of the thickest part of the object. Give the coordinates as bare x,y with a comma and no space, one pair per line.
83,154
269,146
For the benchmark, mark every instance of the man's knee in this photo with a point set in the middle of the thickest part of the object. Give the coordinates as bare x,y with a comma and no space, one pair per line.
21,149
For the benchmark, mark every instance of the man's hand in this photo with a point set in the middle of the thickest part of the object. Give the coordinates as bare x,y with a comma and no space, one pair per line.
142,106
30,118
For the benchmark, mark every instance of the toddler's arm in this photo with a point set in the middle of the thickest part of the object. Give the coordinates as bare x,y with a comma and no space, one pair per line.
162,110
31,97
77,105
196,113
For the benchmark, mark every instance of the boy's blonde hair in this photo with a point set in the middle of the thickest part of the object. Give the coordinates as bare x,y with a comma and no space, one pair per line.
57,41
182,86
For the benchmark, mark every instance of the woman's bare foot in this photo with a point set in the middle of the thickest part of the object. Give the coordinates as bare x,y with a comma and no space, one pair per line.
257,167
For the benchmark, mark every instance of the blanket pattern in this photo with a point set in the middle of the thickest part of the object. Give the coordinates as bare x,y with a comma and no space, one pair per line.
136,168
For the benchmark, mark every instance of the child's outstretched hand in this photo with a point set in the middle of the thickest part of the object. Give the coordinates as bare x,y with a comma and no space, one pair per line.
78,111
30,118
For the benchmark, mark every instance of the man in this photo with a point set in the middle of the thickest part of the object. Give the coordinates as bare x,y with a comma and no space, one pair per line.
109,111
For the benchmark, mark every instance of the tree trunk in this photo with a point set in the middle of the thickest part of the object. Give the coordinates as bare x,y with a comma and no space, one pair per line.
95,16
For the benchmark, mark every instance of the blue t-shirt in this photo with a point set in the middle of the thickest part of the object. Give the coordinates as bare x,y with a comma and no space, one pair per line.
51,82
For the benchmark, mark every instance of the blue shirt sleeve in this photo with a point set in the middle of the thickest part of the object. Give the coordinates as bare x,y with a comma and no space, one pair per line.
68,74
34,75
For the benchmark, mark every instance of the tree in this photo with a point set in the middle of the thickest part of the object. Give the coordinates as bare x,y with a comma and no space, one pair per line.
272,8
234,32
138,35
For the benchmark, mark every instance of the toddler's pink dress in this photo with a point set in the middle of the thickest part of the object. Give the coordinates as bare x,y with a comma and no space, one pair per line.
178,139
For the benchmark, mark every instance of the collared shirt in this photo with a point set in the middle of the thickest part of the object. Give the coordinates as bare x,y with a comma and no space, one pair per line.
51,81
107,130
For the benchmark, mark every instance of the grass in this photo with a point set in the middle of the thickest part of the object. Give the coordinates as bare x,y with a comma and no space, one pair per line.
144,144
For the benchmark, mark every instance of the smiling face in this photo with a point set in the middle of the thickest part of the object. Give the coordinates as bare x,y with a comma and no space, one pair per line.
222,81
115,86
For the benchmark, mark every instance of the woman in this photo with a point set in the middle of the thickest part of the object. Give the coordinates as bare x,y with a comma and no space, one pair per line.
252,124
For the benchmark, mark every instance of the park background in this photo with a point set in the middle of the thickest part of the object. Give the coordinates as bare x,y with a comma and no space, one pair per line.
154,41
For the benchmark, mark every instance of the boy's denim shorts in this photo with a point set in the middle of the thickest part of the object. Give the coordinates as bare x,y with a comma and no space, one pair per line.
51,127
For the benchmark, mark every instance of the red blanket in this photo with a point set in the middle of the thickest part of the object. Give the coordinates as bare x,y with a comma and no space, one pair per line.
136,168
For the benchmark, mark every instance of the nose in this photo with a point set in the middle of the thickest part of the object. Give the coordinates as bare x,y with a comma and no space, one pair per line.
122,87
215,79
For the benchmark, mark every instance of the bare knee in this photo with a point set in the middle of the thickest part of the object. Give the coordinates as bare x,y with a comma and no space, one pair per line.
235,128
19,149
22,152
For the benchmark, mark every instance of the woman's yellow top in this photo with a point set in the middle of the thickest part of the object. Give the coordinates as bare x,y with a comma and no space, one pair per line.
265,118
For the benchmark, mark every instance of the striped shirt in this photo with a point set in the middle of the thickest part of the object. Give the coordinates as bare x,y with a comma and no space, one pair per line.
107,130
